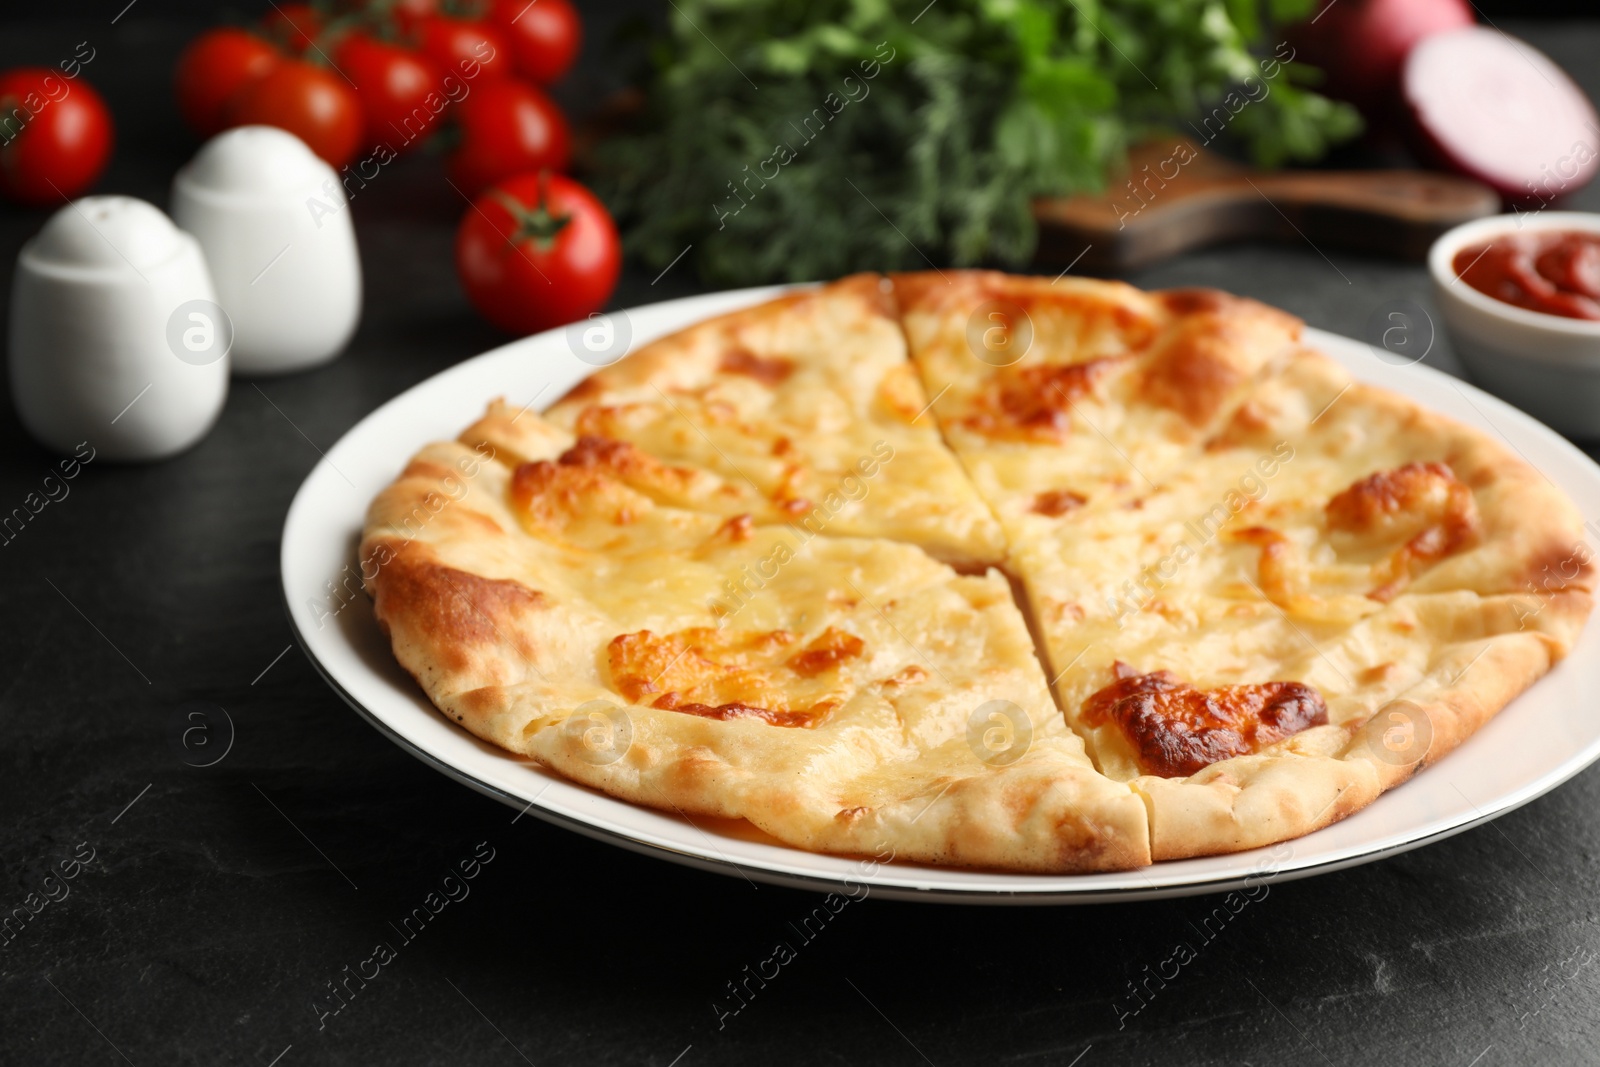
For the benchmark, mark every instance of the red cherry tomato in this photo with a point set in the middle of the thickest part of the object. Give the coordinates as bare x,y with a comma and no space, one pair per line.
401,92
293,26
507,127
460,46
544,36
311,102
63,138
214,67
536,252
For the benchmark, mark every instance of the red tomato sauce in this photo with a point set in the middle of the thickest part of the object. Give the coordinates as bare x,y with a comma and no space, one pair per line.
1556,272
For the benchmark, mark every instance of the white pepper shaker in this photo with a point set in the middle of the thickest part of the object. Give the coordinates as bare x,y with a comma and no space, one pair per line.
116,338
275,226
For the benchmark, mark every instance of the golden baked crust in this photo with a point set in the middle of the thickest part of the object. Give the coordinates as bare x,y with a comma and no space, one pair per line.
624,590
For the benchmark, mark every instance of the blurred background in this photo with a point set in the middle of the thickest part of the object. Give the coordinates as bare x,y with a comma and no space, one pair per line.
981,119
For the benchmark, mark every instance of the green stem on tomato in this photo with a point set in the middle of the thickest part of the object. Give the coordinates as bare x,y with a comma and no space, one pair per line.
536,224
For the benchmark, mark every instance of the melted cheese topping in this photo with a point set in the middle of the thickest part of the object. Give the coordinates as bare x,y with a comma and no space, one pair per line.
1422,505
1177,729
1034,403
726,400
729,673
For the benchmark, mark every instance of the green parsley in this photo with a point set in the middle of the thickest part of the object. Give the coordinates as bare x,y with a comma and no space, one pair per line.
803,139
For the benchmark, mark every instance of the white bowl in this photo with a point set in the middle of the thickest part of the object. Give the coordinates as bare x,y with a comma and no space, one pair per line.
1547,365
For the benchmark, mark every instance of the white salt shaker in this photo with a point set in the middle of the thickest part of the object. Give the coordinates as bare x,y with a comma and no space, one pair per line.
273,221
116,339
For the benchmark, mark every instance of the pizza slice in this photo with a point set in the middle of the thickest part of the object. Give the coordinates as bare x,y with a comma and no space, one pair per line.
1073,393
843,694
1336,589
803,410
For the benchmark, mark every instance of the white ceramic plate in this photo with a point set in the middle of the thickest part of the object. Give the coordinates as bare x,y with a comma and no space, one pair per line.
1541,740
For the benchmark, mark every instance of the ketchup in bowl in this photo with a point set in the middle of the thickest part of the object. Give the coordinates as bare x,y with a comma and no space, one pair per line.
1555,271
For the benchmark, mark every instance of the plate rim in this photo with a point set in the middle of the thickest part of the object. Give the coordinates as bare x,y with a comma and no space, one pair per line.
901,881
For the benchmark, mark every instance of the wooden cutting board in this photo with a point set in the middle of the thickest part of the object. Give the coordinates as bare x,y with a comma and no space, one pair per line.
1176,197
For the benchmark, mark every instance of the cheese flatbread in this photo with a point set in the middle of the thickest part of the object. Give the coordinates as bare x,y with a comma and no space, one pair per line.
781,404
1263,593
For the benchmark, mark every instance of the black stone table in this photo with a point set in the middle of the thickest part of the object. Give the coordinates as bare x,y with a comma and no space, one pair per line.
212,906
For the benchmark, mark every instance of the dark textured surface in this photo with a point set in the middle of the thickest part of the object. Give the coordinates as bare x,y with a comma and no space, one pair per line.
221,902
